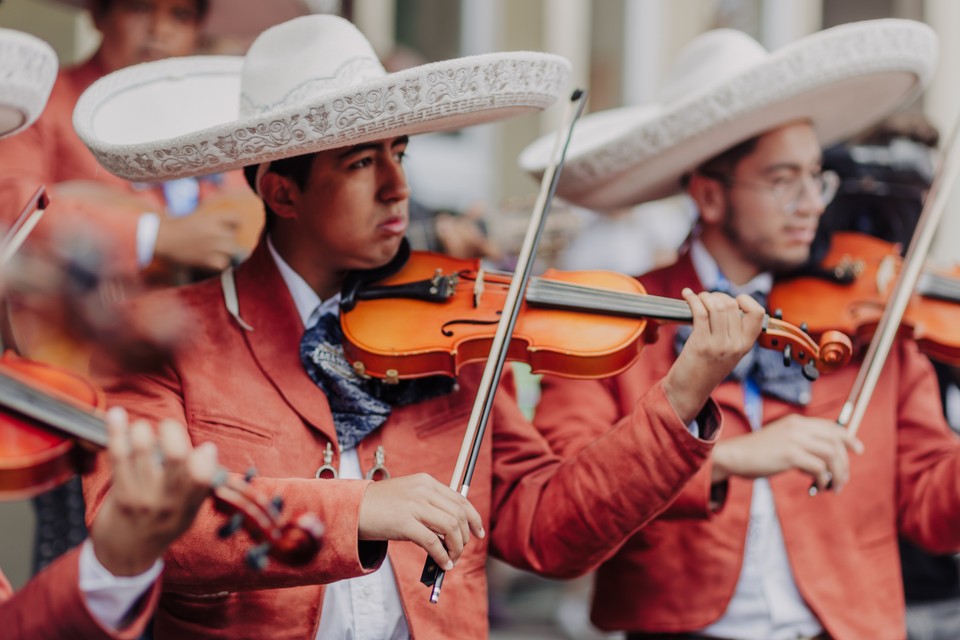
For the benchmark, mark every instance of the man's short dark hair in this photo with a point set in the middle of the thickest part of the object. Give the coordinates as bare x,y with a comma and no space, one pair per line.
297,168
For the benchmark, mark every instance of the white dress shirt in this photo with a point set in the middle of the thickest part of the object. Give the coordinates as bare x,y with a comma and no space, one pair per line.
108,597
766,604
367,607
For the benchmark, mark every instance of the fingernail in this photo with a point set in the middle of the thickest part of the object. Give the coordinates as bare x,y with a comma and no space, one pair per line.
483,532
448,566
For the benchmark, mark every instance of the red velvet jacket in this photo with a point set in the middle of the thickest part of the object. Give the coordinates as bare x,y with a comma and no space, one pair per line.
248,392
679,575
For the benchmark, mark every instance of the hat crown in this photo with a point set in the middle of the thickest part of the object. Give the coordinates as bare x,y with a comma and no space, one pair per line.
302,59
710,59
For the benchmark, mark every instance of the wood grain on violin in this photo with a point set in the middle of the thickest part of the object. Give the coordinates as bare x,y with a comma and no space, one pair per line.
443,312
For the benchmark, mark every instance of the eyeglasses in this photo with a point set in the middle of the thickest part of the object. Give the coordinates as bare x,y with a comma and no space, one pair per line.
789,192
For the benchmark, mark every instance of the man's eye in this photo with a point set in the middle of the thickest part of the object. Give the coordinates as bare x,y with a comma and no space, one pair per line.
361,163
400,156
783,182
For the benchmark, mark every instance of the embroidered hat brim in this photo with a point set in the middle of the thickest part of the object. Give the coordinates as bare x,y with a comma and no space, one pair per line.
185,117
28,69
842,80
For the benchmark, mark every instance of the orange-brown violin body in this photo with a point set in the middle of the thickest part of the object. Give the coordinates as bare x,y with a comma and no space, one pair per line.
855,307
32,457
420,338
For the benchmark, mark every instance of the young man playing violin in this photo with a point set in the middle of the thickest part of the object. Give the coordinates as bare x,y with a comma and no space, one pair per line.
765,560
327,161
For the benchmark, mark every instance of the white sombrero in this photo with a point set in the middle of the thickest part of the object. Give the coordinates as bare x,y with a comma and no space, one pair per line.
28,69
306,85
726,88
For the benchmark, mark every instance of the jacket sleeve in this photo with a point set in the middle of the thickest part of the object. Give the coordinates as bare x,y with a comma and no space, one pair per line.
51,607
200,561
599,406
928,458
563,512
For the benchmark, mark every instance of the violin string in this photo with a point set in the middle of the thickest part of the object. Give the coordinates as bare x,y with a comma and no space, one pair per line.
587,298
37,405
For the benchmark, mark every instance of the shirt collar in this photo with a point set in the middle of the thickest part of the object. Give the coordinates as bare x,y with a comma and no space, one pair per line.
308,303
708,271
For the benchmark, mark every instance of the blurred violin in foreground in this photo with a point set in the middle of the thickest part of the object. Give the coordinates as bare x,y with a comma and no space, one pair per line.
51,424
428,314
849,291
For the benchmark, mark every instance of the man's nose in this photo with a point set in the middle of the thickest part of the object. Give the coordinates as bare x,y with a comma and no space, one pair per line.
812,201
393,184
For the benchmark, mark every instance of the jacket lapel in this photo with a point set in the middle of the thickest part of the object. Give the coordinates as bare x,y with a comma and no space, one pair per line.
266,305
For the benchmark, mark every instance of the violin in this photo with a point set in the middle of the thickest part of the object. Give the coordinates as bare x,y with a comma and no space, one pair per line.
51,425
851,289
583,324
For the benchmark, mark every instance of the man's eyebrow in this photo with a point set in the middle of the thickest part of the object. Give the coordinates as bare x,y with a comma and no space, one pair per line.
373,146
787,166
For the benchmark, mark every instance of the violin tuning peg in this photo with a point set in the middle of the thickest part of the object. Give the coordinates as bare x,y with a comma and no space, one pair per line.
787,355
257,557
810,371
778,314
277,502
233,525
250,475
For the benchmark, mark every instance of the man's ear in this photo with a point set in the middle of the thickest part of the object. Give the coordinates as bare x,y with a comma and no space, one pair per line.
709,195
280,193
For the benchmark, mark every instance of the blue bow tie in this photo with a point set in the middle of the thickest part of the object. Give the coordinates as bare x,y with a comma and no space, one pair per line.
359,405
764,367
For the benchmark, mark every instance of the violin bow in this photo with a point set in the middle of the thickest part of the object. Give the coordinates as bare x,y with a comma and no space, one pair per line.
432,575
934,204
23,225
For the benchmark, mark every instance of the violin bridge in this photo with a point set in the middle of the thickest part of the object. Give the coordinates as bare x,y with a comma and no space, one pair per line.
478,289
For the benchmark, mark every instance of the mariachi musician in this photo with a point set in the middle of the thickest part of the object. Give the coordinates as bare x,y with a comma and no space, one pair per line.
741,130
264,375
107,587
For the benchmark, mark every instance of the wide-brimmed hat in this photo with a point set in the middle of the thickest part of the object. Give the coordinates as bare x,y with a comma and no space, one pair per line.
307,85
726,88
28,69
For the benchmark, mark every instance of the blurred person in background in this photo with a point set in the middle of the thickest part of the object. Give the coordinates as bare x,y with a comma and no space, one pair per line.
756,558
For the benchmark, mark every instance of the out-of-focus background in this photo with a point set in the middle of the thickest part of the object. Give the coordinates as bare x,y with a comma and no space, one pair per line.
619,49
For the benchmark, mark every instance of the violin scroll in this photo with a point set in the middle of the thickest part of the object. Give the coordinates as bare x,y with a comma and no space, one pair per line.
833,351
294,542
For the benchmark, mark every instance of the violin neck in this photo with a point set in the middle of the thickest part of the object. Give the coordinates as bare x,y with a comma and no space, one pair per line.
47,410
574,297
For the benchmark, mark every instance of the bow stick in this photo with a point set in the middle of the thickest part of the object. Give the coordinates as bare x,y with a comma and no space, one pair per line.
934,204
432,575
23,225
